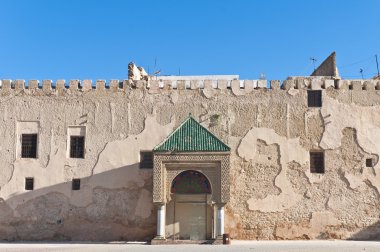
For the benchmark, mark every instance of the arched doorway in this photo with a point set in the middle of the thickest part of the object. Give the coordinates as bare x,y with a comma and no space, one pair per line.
190,153
189,215
190,182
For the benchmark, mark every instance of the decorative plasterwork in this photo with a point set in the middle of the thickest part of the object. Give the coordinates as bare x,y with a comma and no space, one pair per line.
216,166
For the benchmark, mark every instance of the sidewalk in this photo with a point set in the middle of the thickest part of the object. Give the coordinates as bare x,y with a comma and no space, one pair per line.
237,246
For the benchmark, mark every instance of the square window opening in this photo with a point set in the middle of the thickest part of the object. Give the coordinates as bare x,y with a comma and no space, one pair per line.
146,159
76,146
75,185
369,162
29,146
29,184
314,98
317,162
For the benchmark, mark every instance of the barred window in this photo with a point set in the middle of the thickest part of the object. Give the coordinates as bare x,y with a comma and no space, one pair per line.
369,162
77,146
29,184
75,184
146,159
317,162
314,98
29,146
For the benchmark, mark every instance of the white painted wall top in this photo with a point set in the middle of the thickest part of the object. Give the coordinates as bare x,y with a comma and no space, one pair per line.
197,77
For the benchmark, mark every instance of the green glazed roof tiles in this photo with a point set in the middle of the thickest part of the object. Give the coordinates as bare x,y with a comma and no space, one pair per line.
190,136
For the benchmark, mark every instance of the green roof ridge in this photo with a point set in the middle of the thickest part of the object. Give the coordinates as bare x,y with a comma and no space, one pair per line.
191,136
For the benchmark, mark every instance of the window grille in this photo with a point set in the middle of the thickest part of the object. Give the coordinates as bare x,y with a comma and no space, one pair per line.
317,162
314,98
76,184
77,146
369,162
146,159
29,184
29,145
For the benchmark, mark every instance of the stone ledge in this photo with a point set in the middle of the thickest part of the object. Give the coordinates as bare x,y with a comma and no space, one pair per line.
157,241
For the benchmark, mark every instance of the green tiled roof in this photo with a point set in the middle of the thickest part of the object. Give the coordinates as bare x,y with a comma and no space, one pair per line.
190,136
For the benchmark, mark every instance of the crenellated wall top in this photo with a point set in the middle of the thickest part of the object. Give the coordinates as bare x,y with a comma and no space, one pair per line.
156,86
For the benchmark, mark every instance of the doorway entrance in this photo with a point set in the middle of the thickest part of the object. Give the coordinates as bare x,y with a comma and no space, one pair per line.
189,215
182,196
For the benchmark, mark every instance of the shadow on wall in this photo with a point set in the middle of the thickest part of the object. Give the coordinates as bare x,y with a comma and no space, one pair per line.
104,209
370,233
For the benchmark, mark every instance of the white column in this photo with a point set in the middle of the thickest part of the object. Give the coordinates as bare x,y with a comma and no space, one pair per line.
161,213
220,220
215,223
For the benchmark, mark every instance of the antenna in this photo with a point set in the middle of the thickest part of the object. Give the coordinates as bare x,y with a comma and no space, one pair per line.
179,71
377,65
155,66
361,72
314,60
155,71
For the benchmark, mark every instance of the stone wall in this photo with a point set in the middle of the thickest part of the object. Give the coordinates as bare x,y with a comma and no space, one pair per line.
239,87
270,132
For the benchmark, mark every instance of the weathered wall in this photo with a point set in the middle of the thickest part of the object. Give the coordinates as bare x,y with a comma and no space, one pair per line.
270,131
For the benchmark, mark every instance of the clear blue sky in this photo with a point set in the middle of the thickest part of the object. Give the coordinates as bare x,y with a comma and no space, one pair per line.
82,39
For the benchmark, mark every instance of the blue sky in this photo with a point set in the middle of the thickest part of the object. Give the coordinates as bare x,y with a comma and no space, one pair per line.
82,39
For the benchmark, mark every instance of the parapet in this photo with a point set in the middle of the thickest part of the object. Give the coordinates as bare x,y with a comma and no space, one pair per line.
157,86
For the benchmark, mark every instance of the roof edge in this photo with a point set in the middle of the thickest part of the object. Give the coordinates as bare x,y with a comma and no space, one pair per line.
190,117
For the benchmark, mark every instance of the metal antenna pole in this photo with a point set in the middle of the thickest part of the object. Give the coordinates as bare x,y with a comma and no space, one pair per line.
155,65
361,72
377,65
314,60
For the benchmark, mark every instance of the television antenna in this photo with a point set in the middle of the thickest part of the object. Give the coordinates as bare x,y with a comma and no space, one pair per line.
314,60
361,72
155,71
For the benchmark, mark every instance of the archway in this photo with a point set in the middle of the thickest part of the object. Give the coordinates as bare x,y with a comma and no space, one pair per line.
189,216
190,182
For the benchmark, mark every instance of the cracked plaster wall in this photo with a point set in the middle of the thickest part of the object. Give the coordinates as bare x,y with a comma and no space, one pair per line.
115,200
270,133
342,203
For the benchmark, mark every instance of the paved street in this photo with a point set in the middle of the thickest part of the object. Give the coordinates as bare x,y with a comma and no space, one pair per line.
237,246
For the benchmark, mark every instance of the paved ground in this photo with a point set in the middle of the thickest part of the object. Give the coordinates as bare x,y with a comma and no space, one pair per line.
237,246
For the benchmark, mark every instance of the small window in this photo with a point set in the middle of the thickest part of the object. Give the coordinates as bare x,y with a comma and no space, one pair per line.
77,146
29,145
29,184
314,98
317,162
369,162
76,184
146,160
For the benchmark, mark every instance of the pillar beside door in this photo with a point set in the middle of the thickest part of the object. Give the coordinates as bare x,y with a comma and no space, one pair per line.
161,221
219,220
